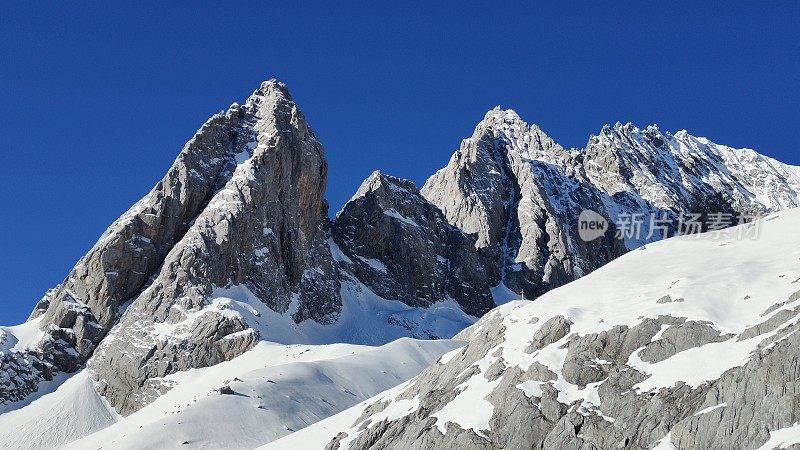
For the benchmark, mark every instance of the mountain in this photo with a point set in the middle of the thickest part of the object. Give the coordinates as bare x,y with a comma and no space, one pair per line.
234,247
521,193
687,343
402,246
242,204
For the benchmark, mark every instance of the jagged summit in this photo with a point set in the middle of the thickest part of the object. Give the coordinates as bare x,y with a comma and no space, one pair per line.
627,128
261,230
400,246
242,205
499,119
521,193
234,245
271,88
498,115
378,179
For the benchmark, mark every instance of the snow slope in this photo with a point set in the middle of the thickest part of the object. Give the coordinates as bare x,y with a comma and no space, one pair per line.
689,310
318,435
73,410
275,389
20,337
366,318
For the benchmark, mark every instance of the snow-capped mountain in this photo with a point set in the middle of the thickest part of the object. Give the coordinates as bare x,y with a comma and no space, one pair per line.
234,248
688,343
521,193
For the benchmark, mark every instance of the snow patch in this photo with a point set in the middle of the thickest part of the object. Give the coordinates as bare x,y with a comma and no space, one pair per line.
21,337
782,438
502,294
375,264
71,411
276,389
337,253
710,408
392,213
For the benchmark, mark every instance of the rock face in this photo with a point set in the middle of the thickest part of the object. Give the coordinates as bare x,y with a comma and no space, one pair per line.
601,363
402,248
80,312
242,205
522,193
264,229
489,189
234,244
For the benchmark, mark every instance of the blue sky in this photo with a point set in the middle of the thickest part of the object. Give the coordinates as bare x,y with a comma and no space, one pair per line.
97,100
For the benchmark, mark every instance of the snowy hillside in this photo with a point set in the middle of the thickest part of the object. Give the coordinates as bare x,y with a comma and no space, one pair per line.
689,342
274,390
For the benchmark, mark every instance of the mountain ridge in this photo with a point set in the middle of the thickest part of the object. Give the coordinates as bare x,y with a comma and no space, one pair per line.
234,245
529,190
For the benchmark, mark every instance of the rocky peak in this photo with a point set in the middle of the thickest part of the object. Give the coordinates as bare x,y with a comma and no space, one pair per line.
385,185
499,118
263,232
617,136
402,248
512,134
242,206
521,193
620,132
273,105
270,91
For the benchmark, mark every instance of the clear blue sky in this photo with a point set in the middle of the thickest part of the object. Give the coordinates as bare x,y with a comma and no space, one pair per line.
97,100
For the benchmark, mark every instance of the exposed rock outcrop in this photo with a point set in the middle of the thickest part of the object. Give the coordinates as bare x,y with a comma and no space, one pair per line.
522,194
402,248
80,311
243,205
264,229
